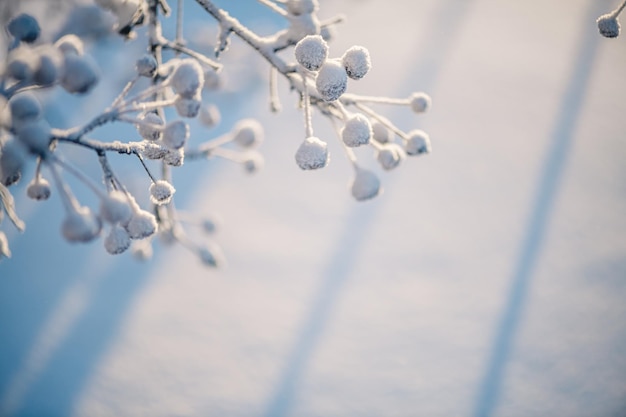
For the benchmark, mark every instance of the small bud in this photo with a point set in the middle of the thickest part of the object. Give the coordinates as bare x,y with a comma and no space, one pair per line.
70,44
5,251
39,189
141,225
175,157
390,155
608,25
248,133
115,208
331,81
417,143
24,27
80,74
175,134
209,115
24,108
356,62
81,225
187,78
381,133
151,130
117,241
357,131
420,102
188,107
211,255
311,52
365,185
146,66
161,192
312,154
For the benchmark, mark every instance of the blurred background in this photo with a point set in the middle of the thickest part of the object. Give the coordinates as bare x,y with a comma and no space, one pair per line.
488,280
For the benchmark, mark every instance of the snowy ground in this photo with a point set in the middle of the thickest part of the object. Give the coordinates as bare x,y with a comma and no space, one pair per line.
488,280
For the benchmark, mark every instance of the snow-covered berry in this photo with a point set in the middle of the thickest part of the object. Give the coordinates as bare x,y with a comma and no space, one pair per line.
311,52
608,25
331,81
35,135
151,127
248,133
417,142
356,61
312,154
117,241
50,65
381,133
115,208
154,151
24,27
175,157
12,158
146,66
420,102
161,192
299,7
175,134
70,44
39,189
141,225
209,115
81,225
357,131
187,78
212,80
188,106
80,73
390,155
25,108
365,185
22,63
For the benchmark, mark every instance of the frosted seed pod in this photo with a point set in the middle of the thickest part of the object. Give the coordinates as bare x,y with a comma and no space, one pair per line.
117,241
187,78
188,107
115,208
417,143
146,66
5,251
151,128
365,185
70,44
153,150
420,102
22,63
211,255
35,135
141,225
24,108
357,131
381,133
209,115
49,67
299,7
175,157
248,133
80,74
356,62
253,162
175,134
161,192
608,25
390,155
81,225
312,154
331,81
12,157
212,80
24,27
39,189
311,52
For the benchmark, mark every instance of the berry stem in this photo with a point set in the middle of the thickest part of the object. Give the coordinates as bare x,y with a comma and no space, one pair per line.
307,106
273,7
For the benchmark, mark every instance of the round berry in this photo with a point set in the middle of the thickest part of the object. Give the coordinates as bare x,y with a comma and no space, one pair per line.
331,81
311,52
357,131
356,62
312,154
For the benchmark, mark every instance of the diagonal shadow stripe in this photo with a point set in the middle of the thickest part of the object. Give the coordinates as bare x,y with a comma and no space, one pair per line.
445,27
562,135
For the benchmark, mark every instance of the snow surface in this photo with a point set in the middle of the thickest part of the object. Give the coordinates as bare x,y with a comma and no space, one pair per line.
488,279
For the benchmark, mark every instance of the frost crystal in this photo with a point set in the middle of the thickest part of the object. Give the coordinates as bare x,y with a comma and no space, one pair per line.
390,155
312,154
331,81
357,131
117,241
38,189
417,142
420,102
248,133
608,25
115,208
80,74
187,78
81,225
161,192
24,27
311,52
175,134
150,129
365,185
356,62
